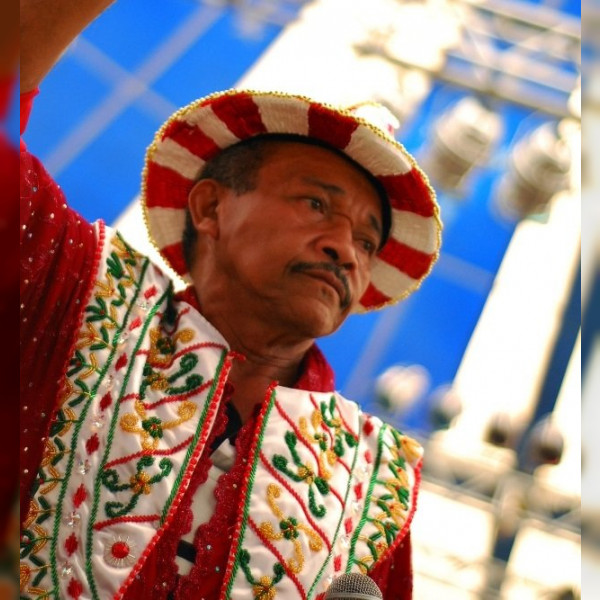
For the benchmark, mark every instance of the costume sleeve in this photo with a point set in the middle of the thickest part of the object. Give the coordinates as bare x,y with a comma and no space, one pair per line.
394,575
58,255
9,299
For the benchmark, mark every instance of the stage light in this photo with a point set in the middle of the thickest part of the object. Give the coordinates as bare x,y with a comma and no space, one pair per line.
539,169
399,387
503,431
463,138
564,593
445,406
544,445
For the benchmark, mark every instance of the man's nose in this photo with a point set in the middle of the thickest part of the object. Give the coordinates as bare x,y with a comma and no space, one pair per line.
337,243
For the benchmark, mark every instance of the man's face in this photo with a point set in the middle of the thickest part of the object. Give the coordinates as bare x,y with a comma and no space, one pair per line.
298,249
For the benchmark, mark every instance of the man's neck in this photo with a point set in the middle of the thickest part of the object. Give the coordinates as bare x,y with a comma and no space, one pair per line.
268,356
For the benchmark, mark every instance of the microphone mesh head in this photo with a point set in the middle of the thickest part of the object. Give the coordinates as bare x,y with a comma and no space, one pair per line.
353,583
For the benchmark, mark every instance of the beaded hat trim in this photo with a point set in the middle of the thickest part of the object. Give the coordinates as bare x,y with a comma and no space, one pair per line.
199,131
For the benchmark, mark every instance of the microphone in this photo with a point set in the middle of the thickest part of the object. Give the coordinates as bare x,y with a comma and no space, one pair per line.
353,586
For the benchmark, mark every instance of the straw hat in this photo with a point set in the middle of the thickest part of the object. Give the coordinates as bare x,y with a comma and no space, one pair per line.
199,131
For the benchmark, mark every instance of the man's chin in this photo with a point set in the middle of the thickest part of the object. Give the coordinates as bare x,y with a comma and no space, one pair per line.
319,319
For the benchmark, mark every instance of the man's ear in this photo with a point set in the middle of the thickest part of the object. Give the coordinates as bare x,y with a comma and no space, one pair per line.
203,201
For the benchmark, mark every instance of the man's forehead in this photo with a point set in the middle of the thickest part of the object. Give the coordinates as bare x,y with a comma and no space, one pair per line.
297,145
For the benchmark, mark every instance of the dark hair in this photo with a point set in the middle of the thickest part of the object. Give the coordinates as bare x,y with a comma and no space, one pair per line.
237,167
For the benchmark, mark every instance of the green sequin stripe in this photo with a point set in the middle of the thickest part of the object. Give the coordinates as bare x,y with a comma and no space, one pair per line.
110,436
337,530
248,494
368,495
199,429
76,430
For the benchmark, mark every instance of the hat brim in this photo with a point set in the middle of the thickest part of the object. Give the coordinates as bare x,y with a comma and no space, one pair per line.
199,131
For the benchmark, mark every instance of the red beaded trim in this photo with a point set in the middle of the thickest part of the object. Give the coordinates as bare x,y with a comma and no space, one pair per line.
252,454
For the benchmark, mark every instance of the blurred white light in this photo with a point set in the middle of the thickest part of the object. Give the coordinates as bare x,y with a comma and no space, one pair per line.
452,537
541,563
463,138
422,33
503,430
545,444
445,406
539,168
399,387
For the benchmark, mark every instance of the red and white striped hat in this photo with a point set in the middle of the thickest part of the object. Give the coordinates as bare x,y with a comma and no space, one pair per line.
199,131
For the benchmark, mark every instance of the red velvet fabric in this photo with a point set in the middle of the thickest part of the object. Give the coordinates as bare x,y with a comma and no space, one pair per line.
58,251
58,254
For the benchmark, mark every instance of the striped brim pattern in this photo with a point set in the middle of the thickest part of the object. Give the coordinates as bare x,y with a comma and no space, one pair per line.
198,132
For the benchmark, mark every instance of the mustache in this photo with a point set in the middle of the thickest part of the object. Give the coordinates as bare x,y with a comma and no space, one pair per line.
307,267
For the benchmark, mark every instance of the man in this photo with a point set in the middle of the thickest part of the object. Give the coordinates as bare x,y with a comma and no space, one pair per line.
192,443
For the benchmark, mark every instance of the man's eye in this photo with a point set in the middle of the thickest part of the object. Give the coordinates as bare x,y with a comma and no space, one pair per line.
317,204
368,246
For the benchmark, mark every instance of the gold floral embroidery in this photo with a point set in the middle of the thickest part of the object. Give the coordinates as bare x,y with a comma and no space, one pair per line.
66,391
130,258
140,483
412,449
108,289
162,348
289,529
31,527
150,428
49,458
264,590
25,572
88,338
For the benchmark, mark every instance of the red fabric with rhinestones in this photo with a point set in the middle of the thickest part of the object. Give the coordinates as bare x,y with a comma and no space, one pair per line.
59,252
58,255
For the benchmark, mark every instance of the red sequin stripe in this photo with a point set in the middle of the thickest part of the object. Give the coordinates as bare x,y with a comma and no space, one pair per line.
314,402
166,399
246,482
179,398
183,351
193,139
167,452
174,255
373,297
345,423
126,398
286,485
343,463
240,114
131,519
335,130
409,192
185,480
413,262
337,495
339,459
166,188
279,557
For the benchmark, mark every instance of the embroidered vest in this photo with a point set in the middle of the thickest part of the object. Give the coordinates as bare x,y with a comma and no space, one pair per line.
327,489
